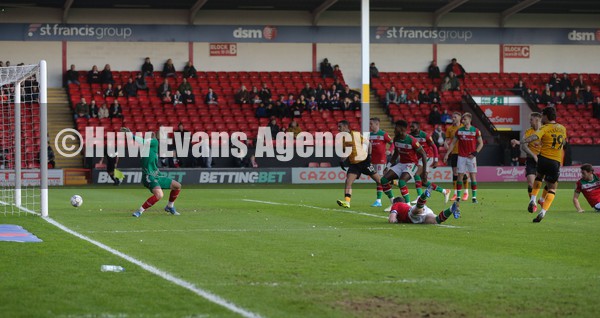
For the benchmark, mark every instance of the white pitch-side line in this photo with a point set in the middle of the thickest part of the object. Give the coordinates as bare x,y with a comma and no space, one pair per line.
242,230
169,277
337,210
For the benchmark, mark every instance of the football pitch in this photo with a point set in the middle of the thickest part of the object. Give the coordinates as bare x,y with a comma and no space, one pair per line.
290,251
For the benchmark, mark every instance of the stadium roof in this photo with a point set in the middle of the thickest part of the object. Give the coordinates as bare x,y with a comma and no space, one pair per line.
438,8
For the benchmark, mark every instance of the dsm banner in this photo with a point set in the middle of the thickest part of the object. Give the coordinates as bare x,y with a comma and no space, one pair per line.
205,176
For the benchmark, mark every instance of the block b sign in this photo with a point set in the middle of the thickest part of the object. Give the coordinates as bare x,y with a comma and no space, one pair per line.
223,49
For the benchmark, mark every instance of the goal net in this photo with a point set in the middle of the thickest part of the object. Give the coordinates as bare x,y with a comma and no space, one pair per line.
23,140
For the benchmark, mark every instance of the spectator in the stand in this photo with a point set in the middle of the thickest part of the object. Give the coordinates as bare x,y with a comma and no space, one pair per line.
423,97
438,136
94,109
456,68
211,97
576,96
273,126
290,100
554,83
520,88
324,103
255,99
271,111
326,69
435,118
332,91
356,104
184,86
93,76
402,97
558,98
319,91
565,83
446,85
177,98
335,102
337,73
265,92
130,88
242,96
454,82
188,98
347,93
72,76
189,71
115,110
169,69
434,96
82,109
167,98
587,95
261,111
391,97
103,112
281,108
294,128
109,91
308,91
433,71
163,88
579,82
106,76
446,118
311,104
119,92
413,96
546,97
596,108
515,154
536,97
297,108
140,82
147,68
373,71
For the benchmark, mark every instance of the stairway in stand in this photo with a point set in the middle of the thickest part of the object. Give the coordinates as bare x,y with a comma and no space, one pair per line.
60,116
377,110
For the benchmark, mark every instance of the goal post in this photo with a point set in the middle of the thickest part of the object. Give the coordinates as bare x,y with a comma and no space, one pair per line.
24,139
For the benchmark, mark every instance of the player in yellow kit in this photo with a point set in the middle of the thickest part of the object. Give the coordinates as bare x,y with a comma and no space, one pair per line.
552,136
533,148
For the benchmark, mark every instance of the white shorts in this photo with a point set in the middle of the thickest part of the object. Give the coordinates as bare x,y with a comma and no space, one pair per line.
379,168
429,163
409,168
419,218
465,165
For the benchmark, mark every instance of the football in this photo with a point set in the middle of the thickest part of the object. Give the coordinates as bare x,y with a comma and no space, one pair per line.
76,201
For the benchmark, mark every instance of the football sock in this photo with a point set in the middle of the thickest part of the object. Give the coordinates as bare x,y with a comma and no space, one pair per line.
548,200
387,189
419,185
544,193
172,197
537,184
443,216
529,189
404,190
379,191
421,200
434,187
454,179
348,197
466,183
150,202
459,185
474,188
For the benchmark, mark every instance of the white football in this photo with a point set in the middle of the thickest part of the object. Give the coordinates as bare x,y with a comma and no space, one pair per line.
76,201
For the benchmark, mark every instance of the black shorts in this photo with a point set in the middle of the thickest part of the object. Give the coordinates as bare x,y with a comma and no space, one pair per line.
549,168
453,159
363,167
530,166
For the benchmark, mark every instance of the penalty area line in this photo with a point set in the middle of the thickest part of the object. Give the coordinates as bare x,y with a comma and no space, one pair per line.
337,210
162,274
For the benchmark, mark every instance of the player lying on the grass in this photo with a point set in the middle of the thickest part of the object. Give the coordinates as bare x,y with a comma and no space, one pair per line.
152,179
402,212
589,185
359,163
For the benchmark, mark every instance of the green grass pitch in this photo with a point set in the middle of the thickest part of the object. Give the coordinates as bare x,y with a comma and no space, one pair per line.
293,253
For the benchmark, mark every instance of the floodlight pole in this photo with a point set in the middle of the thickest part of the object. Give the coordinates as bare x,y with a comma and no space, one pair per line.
364,46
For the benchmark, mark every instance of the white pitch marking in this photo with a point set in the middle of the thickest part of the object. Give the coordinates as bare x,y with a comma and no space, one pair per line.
243,230
169,277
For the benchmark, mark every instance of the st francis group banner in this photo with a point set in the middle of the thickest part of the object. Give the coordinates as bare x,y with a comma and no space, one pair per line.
296,34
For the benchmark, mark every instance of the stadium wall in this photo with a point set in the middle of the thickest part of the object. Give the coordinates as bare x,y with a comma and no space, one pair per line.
298,56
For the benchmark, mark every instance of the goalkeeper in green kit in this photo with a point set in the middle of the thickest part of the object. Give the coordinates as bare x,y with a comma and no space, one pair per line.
152,179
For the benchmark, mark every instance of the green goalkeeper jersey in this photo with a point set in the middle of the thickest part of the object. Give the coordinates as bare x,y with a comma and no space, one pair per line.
150,163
